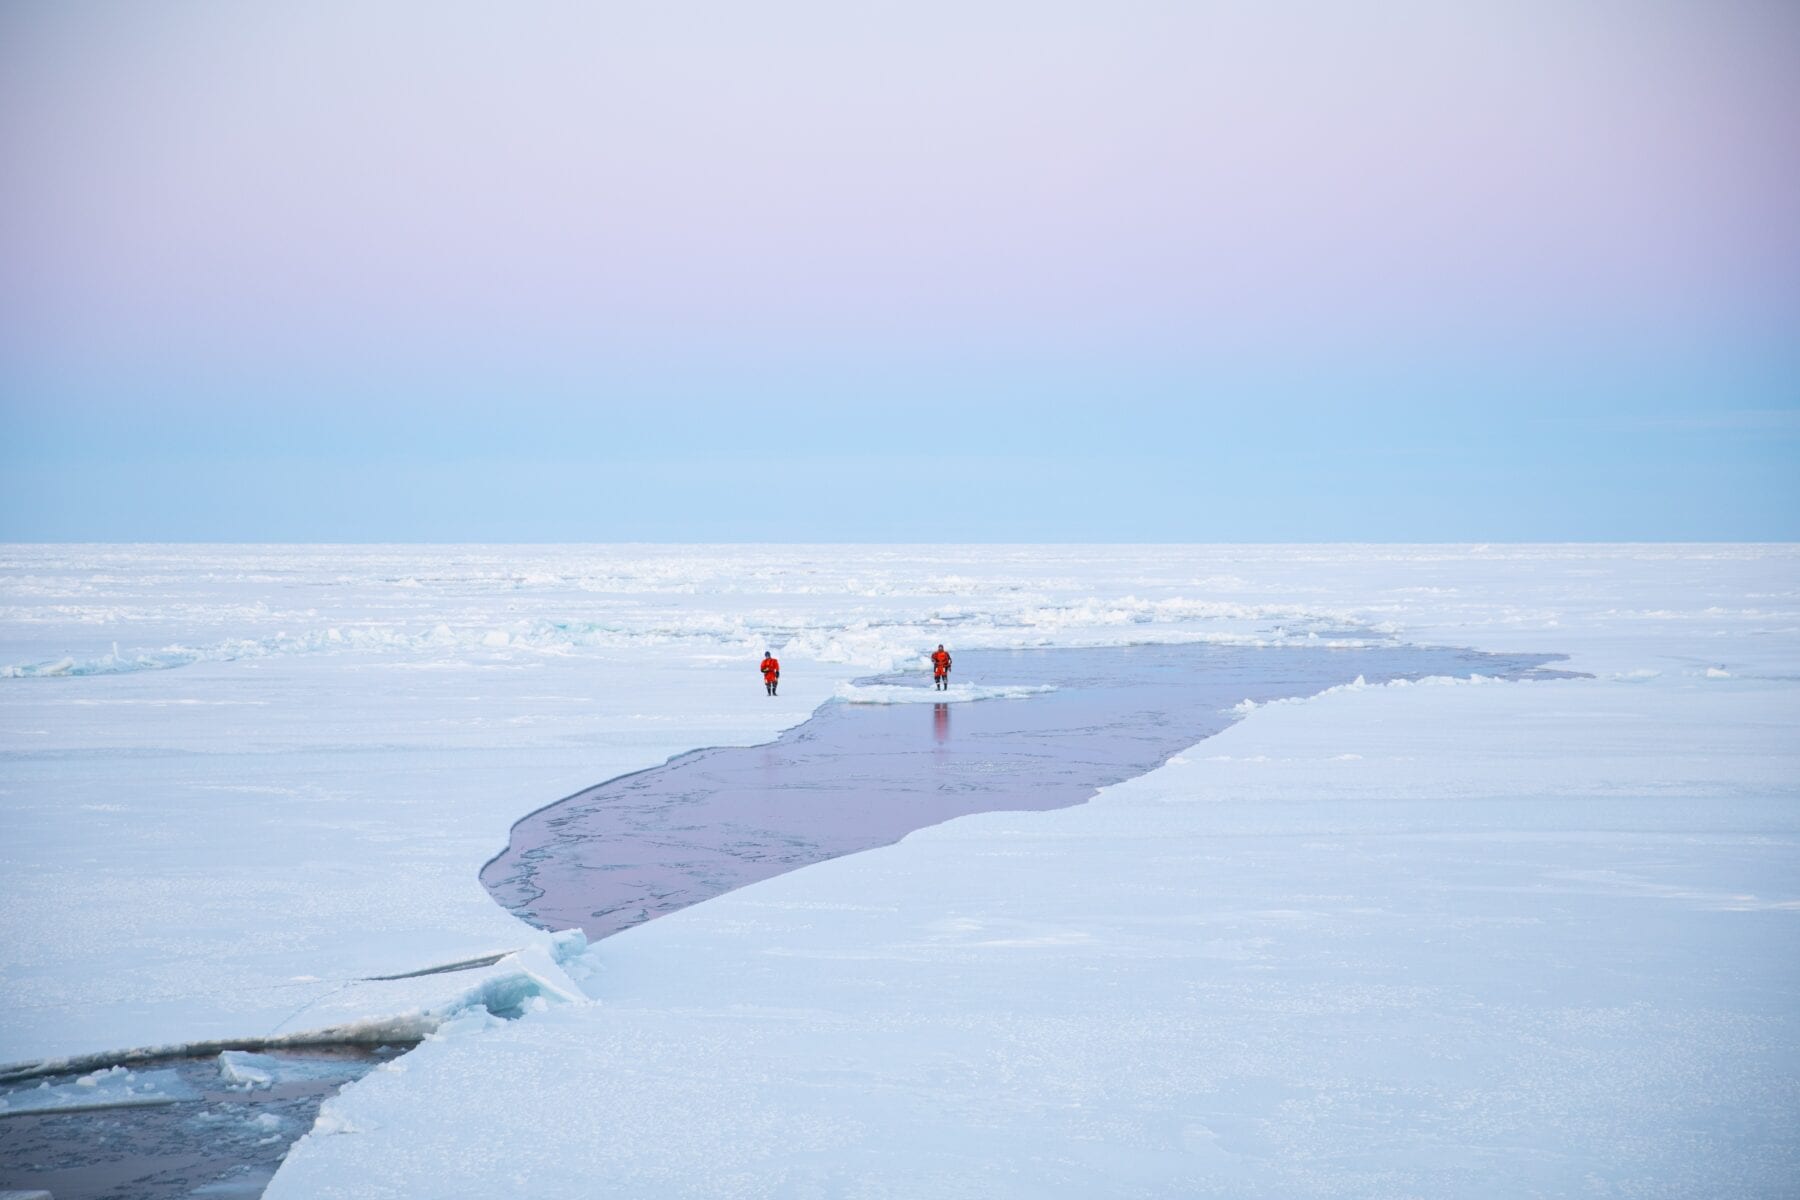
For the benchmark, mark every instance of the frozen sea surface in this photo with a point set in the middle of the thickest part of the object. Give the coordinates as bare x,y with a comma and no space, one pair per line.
853,776
1061,724
1506,939
1448,939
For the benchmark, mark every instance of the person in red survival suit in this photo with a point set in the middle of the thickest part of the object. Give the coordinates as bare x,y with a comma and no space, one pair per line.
771,672
940,668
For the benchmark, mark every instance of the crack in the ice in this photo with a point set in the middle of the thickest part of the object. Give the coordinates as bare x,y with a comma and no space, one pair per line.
467,964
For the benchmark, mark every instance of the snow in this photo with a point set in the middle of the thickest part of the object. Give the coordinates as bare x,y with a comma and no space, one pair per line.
241,780
1441,939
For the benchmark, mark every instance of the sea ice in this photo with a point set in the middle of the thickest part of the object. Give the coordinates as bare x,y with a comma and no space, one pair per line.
239,1068
1502,940
114,1087
1534,939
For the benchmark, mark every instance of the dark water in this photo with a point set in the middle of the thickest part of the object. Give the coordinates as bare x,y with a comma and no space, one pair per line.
221,1142
856,776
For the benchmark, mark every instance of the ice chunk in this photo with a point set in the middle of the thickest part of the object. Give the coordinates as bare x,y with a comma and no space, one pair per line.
888,693
568,944
239,1068
114,1087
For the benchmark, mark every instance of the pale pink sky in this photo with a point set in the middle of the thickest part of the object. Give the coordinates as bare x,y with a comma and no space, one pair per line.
181,172
1493,239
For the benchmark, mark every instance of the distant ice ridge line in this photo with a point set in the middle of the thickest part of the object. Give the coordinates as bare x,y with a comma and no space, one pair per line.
868,640
539,635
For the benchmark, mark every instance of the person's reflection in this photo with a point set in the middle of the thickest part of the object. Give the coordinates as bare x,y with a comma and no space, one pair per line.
940,721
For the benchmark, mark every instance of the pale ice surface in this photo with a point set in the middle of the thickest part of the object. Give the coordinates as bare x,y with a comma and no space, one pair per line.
242,781
1493,940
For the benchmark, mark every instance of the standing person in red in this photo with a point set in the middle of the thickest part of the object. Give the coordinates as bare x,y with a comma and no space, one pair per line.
940,668
771,672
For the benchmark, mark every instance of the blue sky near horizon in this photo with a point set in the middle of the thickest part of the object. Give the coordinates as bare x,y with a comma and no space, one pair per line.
1158,272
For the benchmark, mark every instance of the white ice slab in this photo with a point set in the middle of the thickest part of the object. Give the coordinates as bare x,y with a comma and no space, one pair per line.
114,1087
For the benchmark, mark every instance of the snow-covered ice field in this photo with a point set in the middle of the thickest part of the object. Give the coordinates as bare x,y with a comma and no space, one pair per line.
1445,939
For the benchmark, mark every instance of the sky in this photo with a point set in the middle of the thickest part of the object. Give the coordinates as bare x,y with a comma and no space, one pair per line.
810,271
